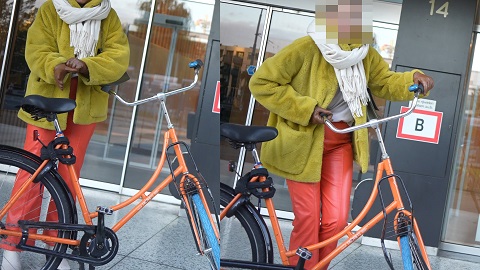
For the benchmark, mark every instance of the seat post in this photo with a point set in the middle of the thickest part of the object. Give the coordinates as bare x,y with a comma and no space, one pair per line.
56,124
256,158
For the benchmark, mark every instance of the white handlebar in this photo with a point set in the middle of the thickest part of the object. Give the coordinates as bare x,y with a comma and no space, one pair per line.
159,96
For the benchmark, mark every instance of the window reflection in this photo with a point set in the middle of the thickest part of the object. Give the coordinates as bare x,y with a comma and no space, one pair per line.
240,31
107,148
179,35
240,35
16,71
463,222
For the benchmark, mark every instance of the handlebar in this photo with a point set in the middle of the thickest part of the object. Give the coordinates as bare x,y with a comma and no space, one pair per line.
196,65
417,89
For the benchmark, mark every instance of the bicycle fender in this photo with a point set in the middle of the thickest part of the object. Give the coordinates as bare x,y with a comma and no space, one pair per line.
258,218
72,206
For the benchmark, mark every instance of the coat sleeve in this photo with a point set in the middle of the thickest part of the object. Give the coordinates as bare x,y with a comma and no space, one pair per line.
113,56
385,83
41,50
270,85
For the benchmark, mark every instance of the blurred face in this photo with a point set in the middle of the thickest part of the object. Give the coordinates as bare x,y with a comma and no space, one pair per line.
344,21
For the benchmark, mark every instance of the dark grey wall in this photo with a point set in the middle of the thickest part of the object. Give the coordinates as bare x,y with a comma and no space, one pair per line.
439,46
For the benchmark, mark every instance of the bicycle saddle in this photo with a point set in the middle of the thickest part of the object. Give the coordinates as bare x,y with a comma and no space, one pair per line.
35,104
247,134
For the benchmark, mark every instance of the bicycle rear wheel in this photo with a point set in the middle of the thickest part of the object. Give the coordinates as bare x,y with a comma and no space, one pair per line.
47,192
241,236
209,243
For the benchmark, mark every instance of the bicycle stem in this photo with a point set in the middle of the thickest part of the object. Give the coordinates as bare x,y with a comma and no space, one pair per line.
380,142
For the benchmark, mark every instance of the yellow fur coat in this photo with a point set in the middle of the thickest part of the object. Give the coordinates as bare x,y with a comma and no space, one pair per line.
290,85
48,44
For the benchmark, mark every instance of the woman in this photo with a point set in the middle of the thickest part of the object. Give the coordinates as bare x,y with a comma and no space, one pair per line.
297,85
73,47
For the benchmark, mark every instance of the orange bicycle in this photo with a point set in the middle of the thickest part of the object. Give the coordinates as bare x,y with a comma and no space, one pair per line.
45,242
246,241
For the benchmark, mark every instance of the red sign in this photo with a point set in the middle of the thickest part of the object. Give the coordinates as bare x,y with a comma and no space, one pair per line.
216,101
420,125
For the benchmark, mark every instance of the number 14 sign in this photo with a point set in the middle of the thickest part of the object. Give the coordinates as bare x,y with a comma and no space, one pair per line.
420,125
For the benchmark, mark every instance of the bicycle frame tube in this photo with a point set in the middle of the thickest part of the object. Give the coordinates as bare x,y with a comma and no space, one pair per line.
169,136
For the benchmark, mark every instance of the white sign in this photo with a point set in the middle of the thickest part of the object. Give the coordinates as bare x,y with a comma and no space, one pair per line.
420,125
425,104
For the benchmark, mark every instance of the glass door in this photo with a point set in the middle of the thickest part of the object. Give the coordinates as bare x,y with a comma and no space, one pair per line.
241,31
462,223
14,69
106,152
178,35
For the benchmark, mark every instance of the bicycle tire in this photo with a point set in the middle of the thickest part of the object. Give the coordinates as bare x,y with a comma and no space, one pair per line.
417,256
241,236
406,253
12,160
211,247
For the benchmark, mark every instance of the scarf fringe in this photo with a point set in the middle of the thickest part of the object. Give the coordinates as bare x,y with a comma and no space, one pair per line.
84,25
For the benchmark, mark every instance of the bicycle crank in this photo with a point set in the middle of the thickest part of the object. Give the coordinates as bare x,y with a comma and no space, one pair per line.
102,251
88,252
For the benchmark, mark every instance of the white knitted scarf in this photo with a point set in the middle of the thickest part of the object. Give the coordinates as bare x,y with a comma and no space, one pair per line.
84,25
349,70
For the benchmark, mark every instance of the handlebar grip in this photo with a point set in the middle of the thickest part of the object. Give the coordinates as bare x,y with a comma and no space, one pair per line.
416,87
197,64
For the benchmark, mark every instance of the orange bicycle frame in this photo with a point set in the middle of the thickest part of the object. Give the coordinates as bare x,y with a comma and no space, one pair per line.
170,137
396,204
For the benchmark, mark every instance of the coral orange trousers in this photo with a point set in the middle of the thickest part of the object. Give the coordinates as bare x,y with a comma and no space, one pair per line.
321,209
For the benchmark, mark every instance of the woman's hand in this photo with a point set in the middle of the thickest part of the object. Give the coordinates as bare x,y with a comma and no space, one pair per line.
425,80
79,65
318,115
60,72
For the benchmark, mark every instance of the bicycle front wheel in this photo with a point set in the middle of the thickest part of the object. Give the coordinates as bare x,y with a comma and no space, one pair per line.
406,253
412,256
44,201
241,235
209,243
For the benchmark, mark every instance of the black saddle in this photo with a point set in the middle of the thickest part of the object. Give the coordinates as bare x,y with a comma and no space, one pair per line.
41,107
243,135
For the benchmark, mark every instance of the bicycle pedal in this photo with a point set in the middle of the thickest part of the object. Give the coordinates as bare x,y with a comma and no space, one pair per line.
304,253
104,210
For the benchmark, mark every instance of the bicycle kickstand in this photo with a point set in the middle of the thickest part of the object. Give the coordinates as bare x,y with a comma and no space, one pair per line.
304,255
